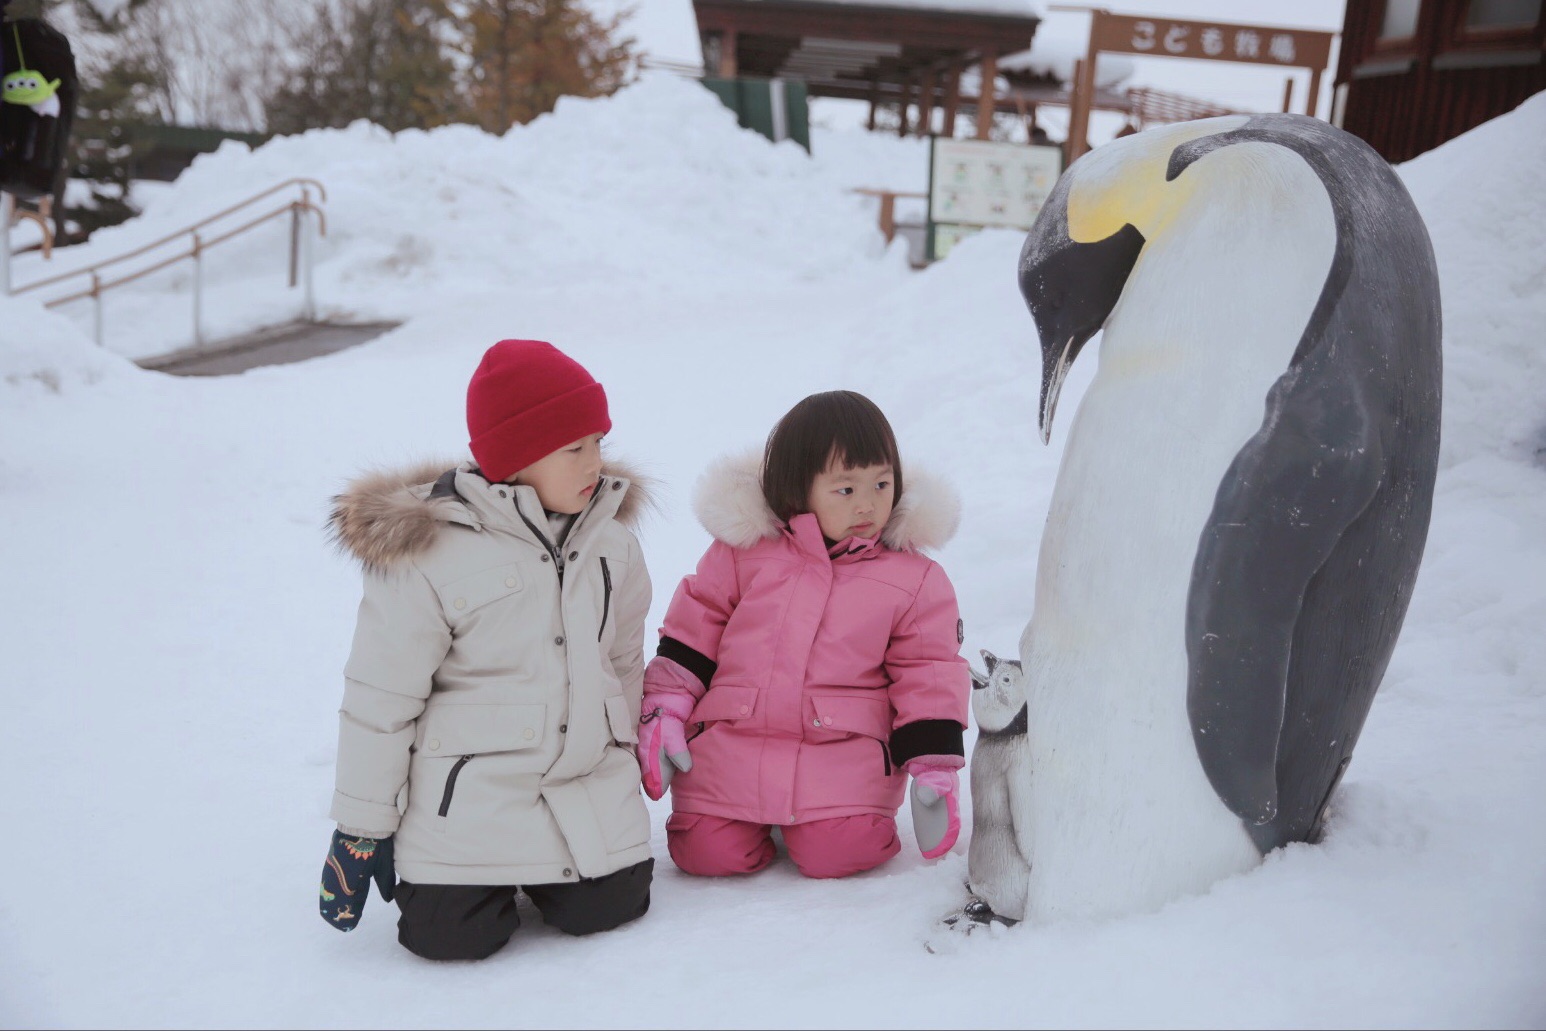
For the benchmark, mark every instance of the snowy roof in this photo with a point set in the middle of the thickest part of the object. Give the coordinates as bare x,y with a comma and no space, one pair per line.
1055,49
1056,59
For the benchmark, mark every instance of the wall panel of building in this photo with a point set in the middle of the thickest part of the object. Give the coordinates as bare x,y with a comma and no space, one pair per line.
1407,97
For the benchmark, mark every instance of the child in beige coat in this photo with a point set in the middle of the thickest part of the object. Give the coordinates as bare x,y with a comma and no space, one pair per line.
486,738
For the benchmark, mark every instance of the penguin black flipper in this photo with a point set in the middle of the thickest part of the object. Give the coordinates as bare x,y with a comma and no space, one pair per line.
1281,511
1307,564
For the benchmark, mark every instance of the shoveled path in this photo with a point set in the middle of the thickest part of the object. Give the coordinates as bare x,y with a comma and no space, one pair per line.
278,345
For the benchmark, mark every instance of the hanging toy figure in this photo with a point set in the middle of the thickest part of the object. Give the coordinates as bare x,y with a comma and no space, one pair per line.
39,91
28,87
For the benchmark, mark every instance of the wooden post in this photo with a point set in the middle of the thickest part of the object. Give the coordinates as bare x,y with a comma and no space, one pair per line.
1315,92
874,98
1288,95
903,105
952,98
727,41
926,102
987,94
1079,112
7,217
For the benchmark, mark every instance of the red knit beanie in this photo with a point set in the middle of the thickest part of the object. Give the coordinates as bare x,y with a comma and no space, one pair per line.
527,400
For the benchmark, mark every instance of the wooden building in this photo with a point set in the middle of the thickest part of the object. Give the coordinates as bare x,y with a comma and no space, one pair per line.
909,56
1415,73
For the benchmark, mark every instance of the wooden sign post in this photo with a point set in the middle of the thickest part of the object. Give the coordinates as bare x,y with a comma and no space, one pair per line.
1200,40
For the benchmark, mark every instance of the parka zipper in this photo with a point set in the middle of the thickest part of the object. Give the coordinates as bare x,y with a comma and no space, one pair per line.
445,799
606,596
558,558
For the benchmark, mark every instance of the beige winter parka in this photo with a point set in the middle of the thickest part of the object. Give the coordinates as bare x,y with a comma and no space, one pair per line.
491,697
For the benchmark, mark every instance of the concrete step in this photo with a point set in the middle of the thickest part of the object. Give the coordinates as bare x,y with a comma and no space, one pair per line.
276,345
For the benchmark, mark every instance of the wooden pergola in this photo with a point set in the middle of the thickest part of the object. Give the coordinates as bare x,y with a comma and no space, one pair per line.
902,55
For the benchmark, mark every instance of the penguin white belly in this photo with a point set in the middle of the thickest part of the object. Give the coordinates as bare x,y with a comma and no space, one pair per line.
1121,817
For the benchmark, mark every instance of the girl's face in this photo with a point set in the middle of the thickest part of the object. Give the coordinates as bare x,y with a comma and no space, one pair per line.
566,478
852,502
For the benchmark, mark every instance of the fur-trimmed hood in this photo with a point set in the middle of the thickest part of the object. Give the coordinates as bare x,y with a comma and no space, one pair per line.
728,502
385,517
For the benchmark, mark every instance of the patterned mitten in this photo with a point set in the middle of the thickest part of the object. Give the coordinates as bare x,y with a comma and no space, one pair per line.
663,740
936,802
351,864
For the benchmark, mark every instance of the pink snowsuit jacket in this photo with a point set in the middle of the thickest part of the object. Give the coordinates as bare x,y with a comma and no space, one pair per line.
815,676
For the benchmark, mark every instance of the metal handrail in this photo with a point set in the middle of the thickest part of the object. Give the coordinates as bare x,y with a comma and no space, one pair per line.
199,246
298,181
300,257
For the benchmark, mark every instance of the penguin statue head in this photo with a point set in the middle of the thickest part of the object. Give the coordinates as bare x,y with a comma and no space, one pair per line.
998,696
1090,235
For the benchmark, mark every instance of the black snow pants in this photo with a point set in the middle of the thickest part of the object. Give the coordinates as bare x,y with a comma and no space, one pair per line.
474,921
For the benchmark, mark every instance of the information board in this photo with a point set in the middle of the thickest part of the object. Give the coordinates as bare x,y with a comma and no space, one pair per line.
975,184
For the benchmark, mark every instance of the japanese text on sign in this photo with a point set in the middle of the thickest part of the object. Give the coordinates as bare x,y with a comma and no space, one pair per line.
1215,41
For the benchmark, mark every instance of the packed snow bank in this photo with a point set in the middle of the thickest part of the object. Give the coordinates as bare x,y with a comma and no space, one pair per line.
44,351
656,184
1481,197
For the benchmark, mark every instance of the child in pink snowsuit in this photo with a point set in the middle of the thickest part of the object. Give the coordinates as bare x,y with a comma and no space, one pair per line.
813,657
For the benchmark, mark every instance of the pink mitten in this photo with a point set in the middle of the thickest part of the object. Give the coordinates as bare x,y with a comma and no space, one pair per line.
663,740
936,804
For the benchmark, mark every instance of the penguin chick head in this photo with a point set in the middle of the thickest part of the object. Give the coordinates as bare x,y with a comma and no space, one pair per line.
999,694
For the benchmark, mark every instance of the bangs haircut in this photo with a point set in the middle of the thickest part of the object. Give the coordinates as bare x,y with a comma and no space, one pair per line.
838,425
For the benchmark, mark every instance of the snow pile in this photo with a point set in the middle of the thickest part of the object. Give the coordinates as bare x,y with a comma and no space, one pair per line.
666,186
856,158
1481,197
42,350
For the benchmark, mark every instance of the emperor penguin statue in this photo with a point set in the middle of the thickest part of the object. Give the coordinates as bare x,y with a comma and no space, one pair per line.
1241,508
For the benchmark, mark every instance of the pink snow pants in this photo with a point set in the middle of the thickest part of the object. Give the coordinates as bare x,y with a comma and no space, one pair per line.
712,846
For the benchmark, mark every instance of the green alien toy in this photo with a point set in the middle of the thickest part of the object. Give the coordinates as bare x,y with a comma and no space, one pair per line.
27,87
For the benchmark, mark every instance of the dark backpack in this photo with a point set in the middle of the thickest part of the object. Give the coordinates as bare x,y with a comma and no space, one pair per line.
33,146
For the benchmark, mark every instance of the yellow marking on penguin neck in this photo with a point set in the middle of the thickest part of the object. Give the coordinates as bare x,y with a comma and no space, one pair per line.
1123,182
1100,206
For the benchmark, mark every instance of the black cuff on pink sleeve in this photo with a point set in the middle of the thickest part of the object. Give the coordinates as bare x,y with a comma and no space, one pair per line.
690,659
927,737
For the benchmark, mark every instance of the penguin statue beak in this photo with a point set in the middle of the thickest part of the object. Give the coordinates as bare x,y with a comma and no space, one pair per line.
1052,375
1070,288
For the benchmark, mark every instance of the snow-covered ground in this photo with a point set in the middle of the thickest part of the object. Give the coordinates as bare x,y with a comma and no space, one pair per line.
176,623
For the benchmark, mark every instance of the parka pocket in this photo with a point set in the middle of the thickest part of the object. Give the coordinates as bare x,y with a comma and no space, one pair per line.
477,729
606,596
460,598
838,714
726,702
471,730
456,771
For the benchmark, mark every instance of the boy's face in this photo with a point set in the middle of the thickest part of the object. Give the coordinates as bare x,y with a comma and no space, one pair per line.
852,502
566,479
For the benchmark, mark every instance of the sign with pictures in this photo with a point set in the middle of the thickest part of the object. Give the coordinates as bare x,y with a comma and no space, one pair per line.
977,184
